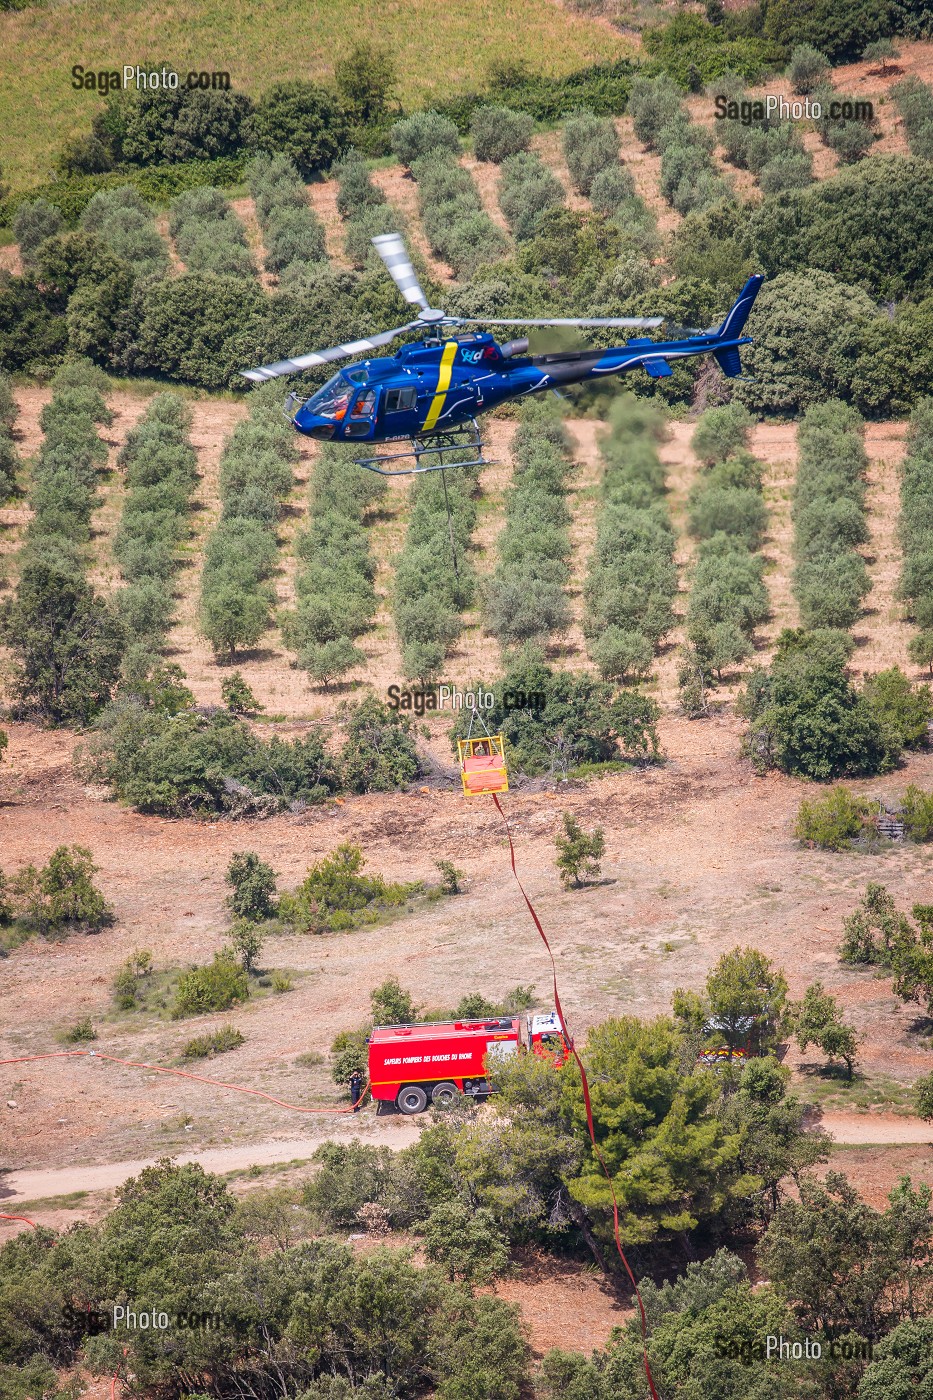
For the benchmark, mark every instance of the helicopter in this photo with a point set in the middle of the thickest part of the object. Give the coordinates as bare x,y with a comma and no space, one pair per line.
429,393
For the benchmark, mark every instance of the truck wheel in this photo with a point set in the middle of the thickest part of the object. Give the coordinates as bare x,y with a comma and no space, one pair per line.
445,1094
412,1099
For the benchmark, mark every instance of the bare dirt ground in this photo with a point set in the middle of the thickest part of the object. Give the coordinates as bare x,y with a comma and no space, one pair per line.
549,145
485,175
583,499
775,444
322,196
645,169
401,190
882,635
245,211
683,468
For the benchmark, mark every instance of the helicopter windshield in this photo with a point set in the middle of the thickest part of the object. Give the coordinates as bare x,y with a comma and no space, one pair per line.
333,400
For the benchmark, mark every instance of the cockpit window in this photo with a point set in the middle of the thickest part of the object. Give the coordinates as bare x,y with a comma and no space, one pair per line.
333,400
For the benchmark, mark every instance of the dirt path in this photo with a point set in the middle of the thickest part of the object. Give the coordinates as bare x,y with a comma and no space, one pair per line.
583,498
855,1129
549,146
682,471
882,635
645,169
395,1132
776,445
869,1128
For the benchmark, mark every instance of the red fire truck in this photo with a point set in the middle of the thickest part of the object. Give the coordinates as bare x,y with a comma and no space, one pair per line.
415,1065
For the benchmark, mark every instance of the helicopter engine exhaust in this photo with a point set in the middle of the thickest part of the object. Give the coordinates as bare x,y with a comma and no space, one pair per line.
515,347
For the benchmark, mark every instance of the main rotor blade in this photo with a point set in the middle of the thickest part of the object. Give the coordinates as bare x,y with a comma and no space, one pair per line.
640,322
391,249
323,357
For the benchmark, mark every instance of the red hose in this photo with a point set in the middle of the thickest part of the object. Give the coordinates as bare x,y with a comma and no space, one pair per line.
588,1105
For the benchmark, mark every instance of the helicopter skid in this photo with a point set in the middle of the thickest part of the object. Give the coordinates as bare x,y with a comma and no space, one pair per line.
436,449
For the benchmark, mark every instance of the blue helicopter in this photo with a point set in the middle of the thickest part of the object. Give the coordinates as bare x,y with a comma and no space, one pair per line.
430,392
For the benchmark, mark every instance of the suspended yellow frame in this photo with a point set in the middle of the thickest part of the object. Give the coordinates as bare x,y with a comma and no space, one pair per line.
482,765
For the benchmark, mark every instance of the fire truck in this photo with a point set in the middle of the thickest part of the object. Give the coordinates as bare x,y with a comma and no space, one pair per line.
414,1065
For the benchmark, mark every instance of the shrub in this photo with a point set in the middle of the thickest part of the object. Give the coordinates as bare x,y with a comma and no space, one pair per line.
849,138
807,69
450,876
720,432
612,189
335,895
579,852
33,224
204,1047
293,234
255,476
238,697
903,710
193,764
834,821
457,228
302,121
81,1032
526,599
807,718
422,133
208,235
126,225
429,594
465,1241
653,104
334,582
591,145
527,189
215,987
253,884
917,813
379,753
62,896
498,132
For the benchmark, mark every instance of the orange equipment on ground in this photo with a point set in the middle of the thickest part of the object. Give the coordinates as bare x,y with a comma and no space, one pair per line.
482,765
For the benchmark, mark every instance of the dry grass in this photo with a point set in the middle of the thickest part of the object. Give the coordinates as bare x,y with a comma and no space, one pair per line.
260,45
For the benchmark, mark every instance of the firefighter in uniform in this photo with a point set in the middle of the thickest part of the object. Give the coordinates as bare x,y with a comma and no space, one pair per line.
356,1090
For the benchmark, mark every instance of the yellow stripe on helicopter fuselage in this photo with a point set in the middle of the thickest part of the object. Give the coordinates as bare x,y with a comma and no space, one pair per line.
443,384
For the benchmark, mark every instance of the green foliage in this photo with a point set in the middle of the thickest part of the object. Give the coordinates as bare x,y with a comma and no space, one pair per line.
302,121
292,233
422,134
81,1032
335,896
208,235
914,101
875,930
253,884
807,228
850,138
807,718
450,876
832,822
334,582
917,813
579,852
525,600
214,987
350,1176
632,579
429,594
807,68
567,719
840,34
237,696
817,1020
678,1166
903,710
915,527
466,1243
720,432
694,51
193,764
527,190
688,176
255,476
844,1264
744,999
458,229
499,132
123,221
924,1091
33,224
378,754
195,327
61,897
203,1047
902,1363
591,145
